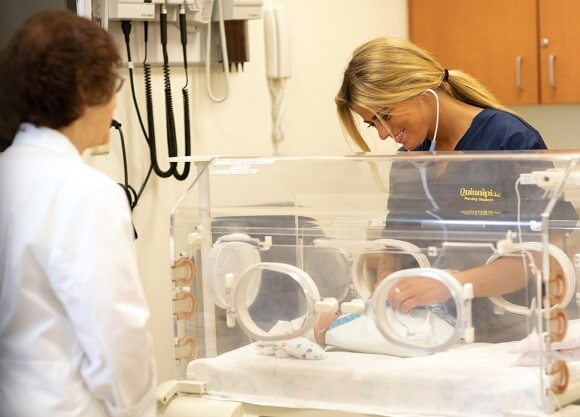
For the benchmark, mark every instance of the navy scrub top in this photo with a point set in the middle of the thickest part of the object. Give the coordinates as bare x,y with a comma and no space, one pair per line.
495,130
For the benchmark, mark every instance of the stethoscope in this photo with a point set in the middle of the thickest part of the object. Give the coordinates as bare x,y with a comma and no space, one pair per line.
422,167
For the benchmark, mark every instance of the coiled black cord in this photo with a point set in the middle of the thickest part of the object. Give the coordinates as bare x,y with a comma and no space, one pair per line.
126,28
185,93
151,128
169,115
150,170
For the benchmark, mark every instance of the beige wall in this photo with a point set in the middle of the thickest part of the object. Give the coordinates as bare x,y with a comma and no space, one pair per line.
559,125
324,34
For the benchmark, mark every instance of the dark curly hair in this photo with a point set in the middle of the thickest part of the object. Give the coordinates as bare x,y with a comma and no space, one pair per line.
54,66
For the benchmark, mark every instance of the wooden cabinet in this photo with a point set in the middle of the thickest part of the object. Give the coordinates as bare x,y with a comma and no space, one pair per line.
524,51
559,51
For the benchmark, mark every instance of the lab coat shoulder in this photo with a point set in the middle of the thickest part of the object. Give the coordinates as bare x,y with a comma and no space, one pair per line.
82,186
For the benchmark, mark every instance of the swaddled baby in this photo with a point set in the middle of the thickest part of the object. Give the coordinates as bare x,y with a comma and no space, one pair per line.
426,326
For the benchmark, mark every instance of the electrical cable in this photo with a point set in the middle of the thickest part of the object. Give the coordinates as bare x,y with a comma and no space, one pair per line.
225,58
276,87
170,123
132,196
126,28
150,170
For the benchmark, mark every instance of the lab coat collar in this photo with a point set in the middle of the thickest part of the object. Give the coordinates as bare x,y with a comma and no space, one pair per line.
46,138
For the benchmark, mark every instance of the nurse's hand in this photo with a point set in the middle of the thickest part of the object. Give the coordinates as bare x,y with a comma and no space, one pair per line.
409,293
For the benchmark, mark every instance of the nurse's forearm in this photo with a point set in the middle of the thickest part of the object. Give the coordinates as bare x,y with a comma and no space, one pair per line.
506,275
496,278
503,276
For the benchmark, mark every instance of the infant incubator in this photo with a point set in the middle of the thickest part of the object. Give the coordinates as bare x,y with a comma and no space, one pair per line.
398,285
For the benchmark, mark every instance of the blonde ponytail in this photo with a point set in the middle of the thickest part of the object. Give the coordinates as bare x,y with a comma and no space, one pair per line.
465,88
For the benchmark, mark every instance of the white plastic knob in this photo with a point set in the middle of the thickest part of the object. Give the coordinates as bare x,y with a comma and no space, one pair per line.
229,280
355,306
195,238
267,243
328,305
468,291
230,320
505,246
469,335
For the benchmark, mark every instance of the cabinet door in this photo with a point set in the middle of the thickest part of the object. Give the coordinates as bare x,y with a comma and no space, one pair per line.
493,40
559,51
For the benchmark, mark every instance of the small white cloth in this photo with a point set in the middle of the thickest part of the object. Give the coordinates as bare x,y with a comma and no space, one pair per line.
300,348
531,348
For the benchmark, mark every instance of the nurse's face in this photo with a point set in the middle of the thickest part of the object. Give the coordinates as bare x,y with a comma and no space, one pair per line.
407,122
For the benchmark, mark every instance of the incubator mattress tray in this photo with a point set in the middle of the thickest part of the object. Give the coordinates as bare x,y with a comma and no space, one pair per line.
469,380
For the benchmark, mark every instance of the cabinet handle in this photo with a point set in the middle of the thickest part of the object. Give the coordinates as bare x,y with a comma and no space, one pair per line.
552,70
519,61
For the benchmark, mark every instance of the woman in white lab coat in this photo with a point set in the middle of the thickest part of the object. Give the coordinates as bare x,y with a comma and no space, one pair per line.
73,338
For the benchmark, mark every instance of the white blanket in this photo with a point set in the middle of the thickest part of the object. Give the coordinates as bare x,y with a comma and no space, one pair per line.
477,380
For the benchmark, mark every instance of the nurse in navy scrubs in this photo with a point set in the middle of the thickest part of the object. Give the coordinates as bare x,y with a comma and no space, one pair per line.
401,91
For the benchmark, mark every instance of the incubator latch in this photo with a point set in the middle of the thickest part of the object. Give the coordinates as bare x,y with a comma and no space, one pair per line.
185,349
558,324
506,245
184,305
266,244
196,238
328,305
356,306
558,288
559,377
183,271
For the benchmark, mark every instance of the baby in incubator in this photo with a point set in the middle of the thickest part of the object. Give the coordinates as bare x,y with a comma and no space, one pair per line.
404,330
427,326
421,325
